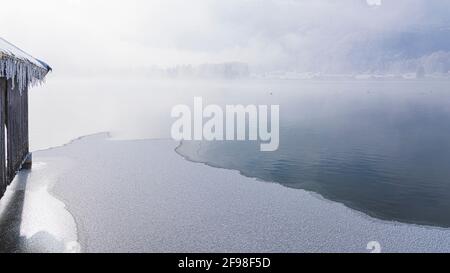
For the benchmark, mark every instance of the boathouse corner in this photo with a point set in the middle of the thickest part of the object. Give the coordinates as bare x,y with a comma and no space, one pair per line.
18,72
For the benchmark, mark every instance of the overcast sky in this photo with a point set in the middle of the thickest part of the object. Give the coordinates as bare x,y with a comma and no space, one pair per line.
73,35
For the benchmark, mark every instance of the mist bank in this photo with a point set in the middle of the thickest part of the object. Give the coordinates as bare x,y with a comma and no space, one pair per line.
177,38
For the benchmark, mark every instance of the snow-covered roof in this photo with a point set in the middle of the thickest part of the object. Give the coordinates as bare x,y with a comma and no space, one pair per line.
20,66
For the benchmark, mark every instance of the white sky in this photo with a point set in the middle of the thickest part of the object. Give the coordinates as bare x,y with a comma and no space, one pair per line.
74,35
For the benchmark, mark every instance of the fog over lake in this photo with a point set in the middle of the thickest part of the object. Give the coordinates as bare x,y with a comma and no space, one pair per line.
363,89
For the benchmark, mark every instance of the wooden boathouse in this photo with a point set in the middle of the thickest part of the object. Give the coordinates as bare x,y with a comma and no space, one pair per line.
18,72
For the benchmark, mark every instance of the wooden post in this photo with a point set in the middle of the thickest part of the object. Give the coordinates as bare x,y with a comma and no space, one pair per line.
3,179
24,138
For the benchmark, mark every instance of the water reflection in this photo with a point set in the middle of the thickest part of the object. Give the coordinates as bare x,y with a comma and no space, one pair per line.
385,153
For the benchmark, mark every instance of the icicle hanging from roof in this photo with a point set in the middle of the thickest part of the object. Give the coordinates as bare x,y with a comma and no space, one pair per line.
20,67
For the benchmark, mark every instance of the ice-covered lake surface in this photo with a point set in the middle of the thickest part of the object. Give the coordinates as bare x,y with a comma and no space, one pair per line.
126,192
141,196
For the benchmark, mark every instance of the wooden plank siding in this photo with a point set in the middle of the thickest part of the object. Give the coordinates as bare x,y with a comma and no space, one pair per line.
17,132
13,117
3,180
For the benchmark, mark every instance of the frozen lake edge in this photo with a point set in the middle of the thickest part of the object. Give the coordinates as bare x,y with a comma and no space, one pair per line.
157,201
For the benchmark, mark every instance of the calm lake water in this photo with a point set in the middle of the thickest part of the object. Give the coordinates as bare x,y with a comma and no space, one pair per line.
382,148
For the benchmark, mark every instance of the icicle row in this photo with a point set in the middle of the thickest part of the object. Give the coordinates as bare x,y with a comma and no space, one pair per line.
22,72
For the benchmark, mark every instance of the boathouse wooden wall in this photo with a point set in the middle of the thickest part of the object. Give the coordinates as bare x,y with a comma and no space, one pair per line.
14,144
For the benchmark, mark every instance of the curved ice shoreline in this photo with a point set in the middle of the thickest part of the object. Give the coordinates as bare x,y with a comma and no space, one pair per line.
141,196
188,157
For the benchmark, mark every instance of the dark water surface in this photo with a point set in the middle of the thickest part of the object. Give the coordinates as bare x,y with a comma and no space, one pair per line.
379,147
